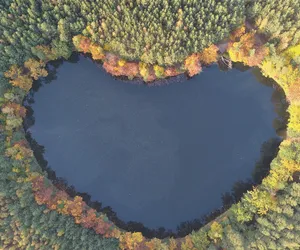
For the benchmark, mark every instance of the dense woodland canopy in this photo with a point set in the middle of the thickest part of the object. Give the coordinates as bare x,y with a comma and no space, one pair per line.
278,20
149,39
162,32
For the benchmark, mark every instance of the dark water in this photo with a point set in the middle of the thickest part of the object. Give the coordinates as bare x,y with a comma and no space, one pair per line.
157,155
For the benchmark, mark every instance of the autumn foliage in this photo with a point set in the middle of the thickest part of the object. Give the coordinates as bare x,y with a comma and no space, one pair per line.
192,64
159,71
215,232
14,109
282,71
294,123
36,68
19,151
14,113
85,45
131,241
144,70
171,71
60,201
22,76
238,33
209,55
45,53
118,67
155,36
293,93
19,78
82,43
247,49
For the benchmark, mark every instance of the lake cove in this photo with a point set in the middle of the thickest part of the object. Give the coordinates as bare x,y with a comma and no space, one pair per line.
159,155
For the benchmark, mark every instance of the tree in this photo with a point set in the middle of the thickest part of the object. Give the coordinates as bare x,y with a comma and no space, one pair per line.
216,232
61,49
144,70
82,43
233,239
294,125
248,50
192,64
209,55
36,68
19,151
130,241
293,93
159,71
200,240
19,78
263,201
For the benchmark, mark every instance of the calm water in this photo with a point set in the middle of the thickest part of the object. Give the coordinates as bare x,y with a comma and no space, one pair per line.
157,155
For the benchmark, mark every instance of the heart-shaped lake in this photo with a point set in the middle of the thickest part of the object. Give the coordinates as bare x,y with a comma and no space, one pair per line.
158,155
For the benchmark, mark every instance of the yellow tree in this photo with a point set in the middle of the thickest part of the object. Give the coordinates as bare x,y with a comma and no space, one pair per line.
235,35
36,68
294,121
19,151
156,244
130,241
248,50
144,70
159,71
293,51
215,232
14,72
19,78
45,53
262,200
97,52
192,64
209,55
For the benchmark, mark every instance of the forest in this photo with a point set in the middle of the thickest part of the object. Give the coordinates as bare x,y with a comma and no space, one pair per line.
148,40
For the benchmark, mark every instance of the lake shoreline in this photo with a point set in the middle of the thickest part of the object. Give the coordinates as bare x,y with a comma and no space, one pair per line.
60,183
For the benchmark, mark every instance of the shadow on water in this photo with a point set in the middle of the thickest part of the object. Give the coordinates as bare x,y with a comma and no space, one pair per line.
279,102
268,152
